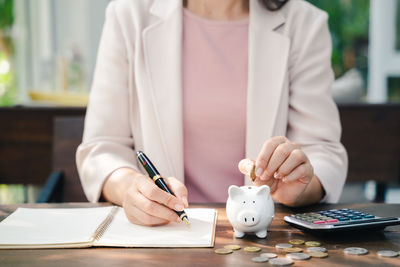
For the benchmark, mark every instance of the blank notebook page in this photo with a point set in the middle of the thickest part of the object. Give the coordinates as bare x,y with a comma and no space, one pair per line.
51,226
200,234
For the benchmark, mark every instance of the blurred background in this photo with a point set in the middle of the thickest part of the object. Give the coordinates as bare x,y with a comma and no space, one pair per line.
47,56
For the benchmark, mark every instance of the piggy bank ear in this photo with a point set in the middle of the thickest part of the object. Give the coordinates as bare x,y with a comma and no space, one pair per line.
234,191
264,189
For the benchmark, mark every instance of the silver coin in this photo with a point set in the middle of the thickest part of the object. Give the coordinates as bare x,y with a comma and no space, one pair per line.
268,255
283,245
355,251
387,253
280,261
316,249
259,259
298,256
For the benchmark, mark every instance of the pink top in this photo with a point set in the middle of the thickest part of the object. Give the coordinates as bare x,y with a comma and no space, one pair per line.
215,55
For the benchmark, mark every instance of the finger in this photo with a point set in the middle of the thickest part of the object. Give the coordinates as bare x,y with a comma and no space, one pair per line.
302,173
266,152
179,189
280,154
274,186
155,209
247,166
272,183
152,192
296,158
137,216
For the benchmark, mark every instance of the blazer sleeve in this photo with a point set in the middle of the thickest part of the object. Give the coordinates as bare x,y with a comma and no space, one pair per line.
107,140
313,119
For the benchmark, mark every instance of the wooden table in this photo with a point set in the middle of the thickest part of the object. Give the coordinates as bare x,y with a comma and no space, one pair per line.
279,232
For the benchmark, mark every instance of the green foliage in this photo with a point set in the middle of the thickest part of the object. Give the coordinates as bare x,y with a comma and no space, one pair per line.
7,84
349,24
7,81
12,194
394,89
6,13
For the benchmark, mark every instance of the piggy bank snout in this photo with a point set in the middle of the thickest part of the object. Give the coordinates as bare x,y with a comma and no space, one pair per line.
248,218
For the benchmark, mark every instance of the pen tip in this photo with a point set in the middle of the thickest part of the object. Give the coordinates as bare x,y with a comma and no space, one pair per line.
186,221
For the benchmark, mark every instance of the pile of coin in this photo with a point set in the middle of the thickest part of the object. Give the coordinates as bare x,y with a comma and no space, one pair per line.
317,252
272,259
312,249
292,253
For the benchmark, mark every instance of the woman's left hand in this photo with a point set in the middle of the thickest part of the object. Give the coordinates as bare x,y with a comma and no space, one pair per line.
284,167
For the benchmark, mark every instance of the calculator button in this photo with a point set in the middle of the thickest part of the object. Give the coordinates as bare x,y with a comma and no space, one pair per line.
343,219
355,217
332,221
369,216
318,222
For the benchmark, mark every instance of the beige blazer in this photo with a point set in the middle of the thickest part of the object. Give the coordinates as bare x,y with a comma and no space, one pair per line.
136,98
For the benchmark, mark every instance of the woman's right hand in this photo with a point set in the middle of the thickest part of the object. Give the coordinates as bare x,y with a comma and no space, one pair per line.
143,201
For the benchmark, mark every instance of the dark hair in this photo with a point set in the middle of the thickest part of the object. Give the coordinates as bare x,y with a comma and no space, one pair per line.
273,4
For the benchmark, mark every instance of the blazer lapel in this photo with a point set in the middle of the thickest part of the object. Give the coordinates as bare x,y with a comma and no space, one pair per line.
162,47
268,55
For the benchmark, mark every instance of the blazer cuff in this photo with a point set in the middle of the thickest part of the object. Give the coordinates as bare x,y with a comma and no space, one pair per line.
331,177
97,167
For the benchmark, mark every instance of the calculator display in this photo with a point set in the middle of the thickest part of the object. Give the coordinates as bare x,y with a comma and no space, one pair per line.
339,219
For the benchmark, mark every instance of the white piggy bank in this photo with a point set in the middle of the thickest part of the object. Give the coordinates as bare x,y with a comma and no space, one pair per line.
250,209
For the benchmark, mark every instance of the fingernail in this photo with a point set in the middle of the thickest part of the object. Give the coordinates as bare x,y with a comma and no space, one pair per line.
264,177
277,175
258,171
185,201
178,220
178,207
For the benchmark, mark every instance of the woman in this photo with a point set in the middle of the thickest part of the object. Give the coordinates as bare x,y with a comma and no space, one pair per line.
200,85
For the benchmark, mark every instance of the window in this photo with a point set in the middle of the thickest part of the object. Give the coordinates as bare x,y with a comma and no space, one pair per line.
54,52
384,59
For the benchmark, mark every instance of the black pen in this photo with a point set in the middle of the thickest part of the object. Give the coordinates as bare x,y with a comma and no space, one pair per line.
155,175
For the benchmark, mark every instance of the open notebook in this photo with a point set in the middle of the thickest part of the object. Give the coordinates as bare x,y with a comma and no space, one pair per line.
105,226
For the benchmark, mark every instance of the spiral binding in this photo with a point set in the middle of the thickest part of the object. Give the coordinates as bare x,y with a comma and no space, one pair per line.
104,225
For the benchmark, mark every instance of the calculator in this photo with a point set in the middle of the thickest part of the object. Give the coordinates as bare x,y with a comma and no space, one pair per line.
339,220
